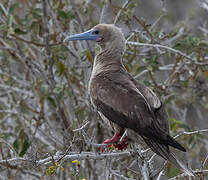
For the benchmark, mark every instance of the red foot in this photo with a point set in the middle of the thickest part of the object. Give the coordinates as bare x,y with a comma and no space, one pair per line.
115,139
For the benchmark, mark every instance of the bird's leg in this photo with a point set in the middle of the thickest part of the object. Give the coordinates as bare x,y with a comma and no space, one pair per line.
116,137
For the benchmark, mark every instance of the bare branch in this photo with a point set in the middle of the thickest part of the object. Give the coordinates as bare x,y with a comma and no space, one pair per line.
167,48
120,11
205,171
120,175
6,87
13,160
85,155
192,132
46,41
81,127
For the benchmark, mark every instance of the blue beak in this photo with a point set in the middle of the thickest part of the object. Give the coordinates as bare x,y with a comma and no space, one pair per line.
88,35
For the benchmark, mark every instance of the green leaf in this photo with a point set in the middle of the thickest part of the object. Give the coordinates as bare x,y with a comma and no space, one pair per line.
12,8
2,135
188,44
174,124
10,22
37,13
62,14
19,31
16,145
65,15
3,27
132,5
61,68
51,170
186,82
52,101
58,89
71,14
140,68
147,83
25,147
89,56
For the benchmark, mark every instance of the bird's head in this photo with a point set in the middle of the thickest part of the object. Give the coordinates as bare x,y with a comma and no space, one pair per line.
108,36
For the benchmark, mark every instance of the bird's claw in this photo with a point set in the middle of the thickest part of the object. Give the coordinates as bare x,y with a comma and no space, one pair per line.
119,146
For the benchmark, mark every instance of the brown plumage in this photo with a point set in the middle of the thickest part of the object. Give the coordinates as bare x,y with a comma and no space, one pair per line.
126,103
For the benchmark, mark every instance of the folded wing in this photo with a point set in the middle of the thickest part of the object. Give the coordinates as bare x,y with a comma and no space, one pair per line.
131,105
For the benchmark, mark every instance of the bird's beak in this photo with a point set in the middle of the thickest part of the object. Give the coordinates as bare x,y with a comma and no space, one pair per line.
88,35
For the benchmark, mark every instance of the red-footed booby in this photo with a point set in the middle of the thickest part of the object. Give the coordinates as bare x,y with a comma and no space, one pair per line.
124,102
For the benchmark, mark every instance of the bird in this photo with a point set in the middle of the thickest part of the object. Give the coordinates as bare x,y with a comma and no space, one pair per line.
124,102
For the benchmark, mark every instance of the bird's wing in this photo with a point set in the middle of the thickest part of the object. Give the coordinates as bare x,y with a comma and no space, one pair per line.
120,101
151,97
156,106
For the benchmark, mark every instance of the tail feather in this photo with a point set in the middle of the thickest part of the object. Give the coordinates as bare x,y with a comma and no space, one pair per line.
172,142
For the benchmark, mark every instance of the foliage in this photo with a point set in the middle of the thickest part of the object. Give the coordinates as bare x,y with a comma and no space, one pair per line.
44,84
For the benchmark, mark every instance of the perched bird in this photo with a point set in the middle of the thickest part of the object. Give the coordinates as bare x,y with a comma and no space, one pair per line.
123,101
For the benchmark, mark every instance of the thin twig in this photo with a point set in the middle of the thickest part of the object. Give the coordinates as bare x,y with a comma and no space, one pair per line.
205,171
168,48
143,24
34,43
206,159
192,132
22,91
120,175
120,11
81,127
13,160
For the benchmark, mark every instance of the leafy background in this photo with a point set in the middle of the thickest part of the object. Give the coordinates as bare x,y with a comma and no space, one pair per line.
43,83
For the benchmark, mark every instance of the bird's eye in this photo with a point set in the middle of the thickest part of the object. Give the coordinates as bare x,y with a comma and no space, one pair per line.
96,32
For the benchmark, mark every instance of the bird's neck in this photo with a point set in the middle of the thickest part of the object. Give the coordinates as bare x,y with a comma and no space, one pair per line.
108,59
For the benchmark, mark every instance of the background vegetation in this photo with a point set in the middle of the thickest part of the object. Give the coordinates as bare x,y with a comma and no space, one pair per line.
49,130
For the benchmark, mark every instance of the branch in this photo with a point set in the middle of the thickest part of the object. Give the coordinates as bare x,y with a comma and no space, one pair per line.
13,160
120,11
9,145
185,175
144,170
71,157
144,164
46,41
160,175
167,48
143,24
81,127
192,132
205,161
120,175
20,81
34,43
83,156
22,91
